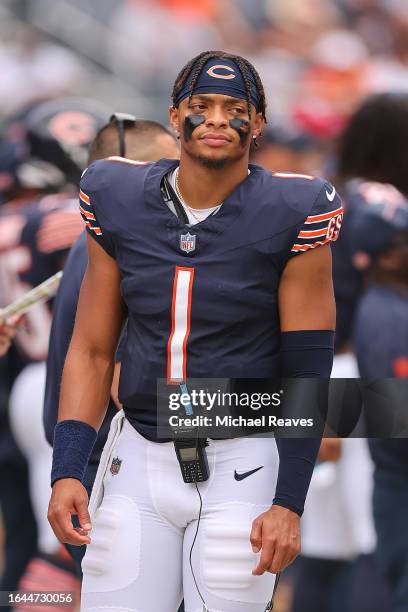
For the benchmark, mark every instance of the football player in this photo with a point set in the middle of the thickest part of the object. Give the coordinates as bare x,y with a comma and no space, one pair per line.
379,238
135,139
52,139
37,230
224,270
371,320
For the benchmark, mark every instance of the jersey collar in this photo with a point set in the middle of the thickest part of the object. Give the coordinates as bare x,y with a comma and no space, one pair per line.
228,212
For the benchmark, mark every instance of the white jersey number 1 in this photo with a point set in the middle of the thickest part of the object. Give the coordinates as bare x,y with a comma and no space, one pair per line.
180,325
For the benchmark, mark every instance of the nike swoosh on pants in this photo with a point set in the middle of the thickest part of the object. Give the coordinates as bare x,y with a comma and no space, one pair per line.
246,474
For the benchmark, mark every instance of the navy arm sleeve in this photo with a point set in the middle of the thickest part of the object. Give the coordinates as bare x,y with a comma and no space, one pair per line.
305,354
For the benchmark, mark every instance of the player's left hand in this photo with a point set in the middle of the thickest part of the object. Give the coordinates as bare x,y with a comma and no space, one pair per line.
276,533
7,332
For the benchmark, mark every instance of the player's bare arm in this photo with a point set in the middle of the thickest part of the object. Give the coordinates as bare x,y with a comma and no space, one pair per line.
89,366
306,302
306,297
87,379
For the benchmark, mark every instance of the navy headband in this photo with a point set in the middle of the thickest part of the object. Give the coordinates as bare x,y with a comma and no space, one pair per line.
221,76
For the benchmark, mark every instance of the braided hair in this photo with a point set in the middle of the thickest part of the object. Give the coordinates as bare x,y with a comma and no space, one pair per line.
244,66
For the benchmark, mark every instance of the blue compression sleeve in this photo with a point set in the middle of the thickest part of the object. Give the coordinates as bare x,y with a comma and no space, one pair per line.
305,354
73,444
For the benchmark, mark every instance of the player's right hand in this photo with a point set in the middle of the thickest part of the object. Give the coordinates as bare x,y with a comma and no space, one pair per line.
69,497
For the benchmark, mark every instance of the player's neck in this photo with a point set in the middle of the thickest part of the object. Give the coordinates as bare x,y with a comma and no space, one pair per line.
203,187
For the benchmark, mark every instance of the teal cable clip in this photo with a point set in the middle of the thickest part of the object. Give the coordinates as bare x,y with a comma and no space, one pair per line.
188,407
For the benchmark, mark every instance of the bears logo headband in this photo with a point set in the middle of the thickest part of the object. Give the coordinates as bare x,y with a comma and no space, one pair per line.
221,76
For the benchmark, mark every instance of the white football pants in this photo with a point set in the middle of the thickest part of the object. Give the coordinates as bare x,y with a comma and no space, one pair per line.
144,519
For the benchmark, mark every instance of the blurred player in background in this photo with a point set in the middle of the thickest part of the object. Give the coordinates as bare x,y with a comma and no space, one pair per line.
135,139
379,237
338,534
337,525
379,243
280,150
373,148
50,143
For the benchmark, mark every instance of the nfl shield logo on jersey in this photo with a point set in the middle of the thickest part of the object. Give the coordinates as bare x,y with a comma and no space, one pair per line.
115,466
187,242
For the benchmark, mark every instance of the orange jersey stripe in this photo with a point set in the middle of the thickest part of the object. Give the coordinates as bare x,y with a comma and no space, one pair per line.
329,215
95,229
306,247
84,197
87,214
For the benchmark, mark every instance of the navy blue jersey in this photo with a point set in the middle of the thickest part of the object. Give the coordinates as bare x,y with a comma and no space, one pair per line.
48,234
34,237
381,345
202,300
64,311
381,333
34,240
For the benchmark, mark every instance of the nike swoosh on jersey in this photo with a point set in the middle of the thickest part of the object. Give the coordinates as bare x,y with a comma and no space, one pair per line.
330,196
246,474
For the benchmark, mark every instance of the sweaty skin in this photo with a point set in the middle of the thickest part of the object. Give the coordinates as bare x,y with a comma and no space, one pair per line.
192,122
242,127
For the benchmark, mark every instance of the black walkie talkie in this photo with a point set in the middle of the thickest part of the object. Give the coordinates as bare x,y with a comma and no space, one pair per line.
191,455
